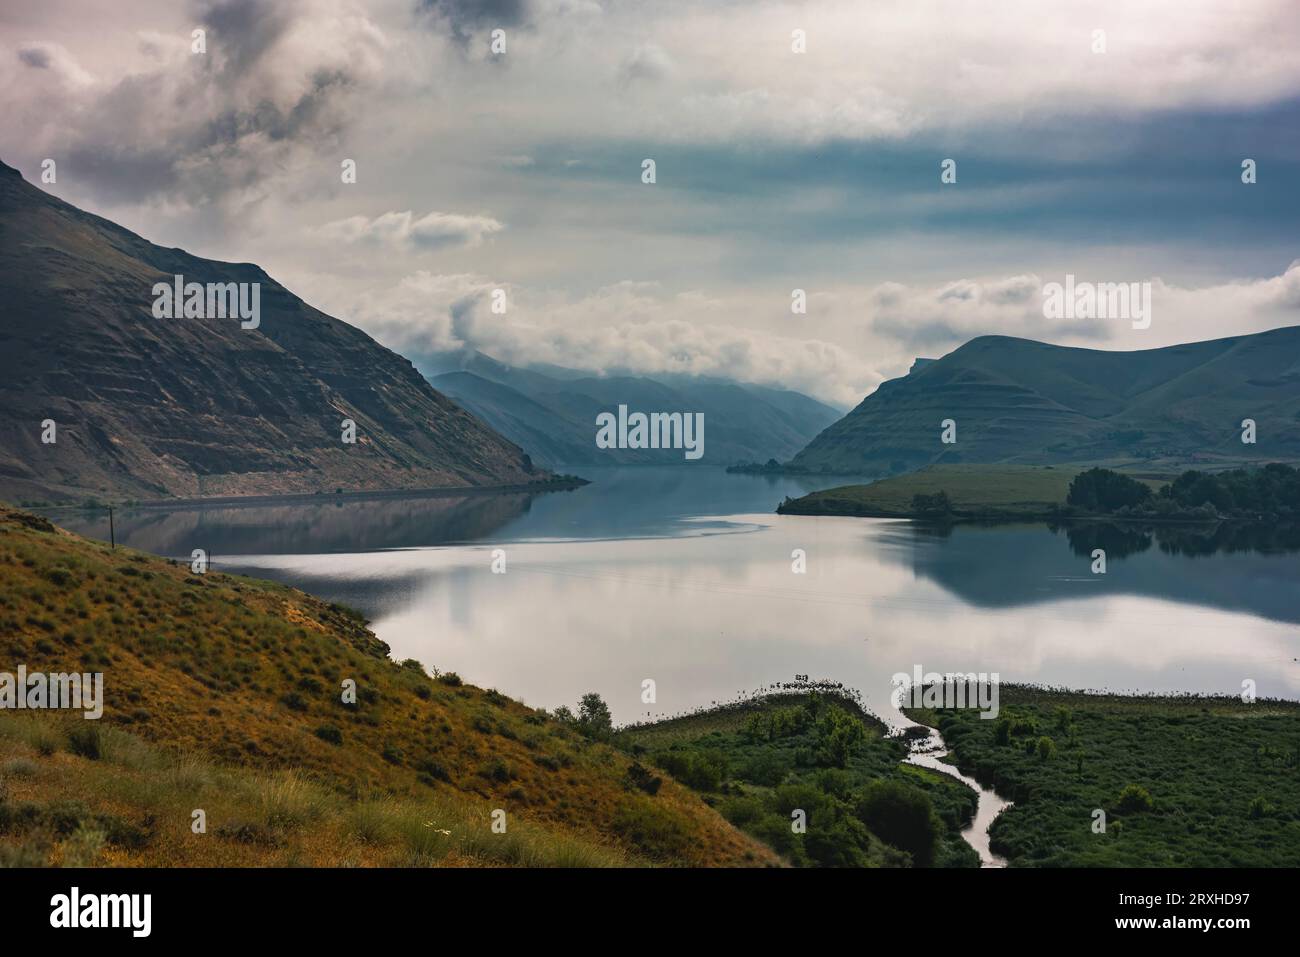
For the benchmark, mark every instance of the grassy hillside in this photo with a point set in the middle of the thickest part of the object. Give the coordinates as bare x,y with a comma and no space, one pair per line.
224,693
1183,781
986,490
1016,401
761,761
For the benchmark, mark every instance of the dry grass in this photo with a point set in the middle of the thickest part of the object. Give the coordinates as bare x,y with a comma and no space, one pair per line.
228,690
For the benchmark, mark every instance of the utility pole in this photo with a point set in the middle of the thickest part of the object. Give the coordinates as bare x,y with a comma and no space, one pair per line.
112,535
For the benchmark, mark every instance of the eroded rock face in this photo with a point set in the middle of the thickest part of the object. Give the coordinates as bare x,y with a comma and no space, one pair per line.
147,407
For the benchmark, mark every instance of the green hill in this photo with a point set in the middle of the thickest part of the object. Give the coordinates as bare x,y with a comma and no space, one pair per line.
1017,401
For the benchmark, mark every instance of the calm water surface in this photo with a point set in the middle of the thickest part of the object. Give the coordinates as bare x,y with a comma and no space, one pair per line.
684,576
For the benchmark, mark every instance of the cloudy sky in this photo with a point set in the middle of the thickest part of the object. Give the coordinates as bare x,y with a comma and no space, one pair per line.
776,170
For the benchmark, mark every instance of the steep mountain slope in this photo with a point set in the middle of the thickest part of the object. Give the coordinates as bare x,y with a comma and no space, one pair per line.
1015,400
149,407
554,416
227,694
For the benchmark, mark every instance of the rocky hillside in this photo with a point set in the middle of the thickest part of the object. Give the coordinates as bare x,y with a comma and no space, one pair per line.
151,408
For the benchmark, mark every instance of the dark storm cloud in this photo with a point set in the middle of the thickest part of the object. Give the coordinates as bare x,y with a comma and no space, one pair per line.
245,29
215,125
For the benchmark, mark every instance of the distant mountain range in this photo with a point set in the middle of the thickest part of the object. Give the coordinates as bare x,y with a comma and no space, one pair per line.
1020,401
552,413
147,407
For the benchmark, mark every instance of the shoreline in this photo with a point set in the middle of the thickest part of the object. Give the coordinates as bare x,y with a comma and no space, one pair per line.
559,484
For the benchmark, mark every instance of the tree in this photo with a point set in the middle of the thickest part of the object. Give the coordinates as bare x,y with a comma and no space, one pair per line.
838,735
1101,490
594,719
936,504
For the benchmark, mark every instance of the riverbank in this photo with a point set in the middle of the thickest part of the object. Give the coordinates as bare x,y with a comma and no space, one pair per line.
973,492
556,483
1260,493
1104,780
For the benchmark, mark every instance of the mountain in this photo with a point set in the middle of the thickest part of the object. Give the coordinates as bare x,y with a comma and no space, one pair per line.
553,413
147,407
1020,401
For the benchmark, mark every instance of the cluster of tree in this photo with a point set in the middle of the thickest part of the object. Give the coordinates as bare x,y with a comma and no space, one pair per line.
1272,491
837,733
936,504
593,719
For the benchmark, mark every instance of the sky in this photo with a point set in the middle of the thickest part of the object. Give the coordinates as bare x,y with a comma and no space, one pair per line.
1103,140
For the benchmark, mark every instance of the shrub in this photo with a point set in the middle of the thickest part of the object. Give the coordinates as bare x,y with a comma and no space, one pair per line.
450,678
1135,799
638,777
701,770
327,732
1046,748
84,739
901,815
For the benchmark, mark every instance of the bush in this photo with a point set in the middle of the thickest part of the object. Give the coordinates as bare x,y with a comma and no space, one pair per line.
84,739
1046,748
327,732
638,777
1135,799
450,678
701,770
902,815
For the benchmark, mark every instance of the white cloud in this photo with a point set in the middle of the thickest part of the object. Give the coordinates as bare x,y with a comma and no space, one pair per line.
641,327
432,231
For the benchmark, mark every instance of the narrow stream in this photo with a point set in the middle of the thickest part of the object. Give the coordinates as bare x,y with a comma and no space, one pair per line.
926,753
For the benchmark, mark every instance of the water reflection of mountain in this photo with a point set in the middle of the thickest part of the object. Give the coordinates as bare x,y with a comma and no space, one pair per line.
1241,568
344,526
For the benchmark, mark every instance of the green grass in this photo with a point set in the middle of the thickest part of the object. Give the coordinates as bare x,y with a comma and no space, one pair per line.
1011,491
761,761
1223,776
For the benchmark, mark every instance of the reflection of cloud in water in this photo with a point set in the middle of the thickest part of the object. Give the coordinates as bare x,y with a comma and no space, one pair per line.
684,576
709,616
